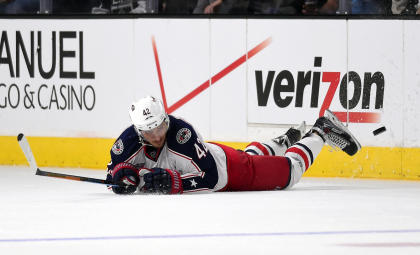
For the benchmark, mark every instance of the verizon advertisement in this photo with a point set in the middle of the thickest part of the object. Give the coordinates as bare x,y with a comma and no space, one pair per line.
234,80
306,70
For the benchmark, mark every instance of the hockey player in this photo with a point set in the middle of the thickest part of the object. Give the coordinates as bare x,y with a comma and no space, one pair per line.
160,153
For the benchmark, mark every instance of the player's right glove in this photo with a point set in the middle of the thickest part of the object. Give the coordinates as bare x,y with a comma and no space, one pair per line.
126,176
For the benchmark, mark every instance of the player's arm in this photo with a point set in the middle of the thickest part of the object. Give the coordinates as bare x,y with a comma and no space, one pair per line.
194,160
206,176
125,146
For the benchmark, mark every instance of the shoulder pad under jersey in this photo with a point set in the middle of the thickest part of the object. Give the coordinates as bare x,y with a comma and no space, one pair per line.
126,145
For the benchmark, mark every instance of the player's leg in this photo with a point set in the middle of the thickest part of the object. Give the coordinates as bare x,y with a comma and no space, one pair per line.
247,172
254,172
250,173
326,129
281,172
278,145
302,155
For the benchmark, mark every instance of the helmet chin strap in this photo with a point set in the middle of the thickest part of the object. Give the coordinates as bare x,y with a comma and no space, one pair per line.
141,138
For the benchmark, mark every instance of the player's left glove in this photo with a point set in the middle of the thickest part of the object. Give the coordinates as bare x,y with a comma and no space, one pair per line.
164,181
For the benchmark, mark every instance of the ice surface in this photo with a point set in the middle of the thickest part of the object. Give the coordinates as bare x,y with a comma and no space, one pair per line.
43,215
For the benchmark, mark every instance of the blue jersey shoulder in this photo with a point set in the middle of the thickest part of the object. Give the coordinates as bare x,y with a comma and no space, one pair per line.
181,136
183,139
125,146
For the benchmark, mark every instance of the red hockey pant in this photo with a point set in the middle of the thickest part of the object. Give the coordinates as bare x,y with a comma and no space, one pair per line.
248,172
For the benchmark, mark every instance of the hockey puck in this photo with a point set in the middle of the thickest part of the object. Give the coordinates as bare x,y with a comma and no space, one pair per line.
379,130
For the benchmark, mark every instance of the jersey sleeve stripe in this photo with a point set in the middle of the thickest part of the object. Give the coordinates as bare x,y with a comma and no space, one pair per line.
190,159
195,190
190,176
137,152
179,154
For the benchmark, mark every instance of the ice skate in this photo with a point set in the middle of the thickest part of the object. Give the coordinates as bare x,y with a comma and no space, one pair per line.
292,136
336,134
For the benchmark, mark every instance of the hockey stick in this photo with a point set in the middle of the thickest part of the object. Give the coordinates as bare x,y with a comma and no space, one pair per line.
24,145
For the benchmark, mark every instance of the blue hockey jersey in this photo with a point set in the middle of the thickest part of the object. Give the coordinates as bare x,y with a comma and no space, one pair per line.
202,165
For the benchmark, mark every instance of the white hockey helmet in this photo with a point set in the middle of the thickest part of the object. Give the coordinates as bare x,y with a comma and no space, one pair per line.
147,113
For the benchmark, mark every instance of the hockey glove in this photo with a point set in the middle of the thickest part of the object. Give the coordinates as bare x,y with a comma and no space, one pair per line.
126,176
164,181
